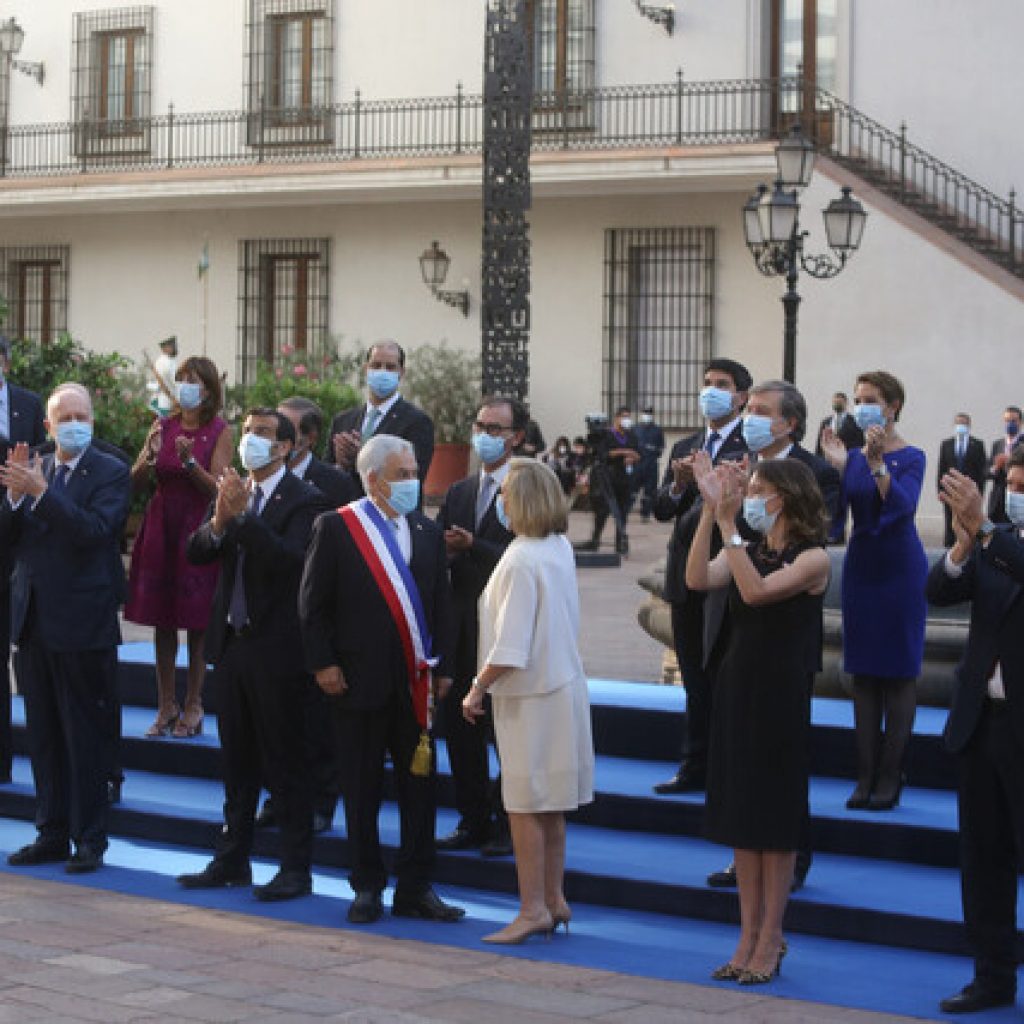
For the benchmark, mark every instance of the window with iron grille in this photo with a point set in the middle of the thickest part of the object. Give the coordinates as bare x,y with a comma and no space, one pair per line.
283,301
659,319
34,284
289,71
562,50
111,81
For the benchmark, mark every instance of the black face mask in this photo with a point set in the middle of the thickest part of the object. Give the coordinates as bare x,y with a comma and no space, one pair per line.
838,409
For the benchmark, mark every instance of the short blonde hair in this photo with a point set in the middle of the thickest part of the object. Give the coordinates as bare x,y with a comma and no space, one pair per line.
534,500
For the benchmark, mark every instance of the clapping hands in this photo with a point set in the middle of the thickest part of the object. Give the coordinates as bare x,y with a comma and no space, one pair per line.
833,449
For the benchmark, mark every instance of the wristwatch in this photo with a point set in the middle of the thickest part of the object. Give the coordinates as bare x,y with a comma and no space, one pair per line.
883,470
985,531
189,464
735,541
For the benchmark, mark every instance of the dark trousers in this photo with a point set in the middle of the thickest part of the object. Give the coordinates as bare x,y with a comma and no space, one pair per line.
322,751
6,739
618,491
991,805
688,641
477,797
366,736
68,702
646,485
261,717
948,536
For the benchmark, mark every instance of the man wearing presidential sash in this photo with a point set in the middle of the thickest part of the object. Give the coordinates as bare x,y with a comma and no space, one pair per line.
375,609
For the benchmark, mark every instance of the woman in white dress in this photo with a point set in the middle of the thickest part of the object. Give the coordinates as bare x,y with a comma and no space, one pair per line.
530,664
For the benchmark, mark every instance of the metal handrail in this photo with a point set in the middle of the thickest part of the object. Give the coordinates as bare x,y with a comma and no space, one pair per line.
675,113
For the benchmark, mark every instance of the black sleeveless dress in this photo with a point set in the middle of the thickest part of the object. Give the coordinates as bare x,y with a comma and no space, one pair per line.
758,760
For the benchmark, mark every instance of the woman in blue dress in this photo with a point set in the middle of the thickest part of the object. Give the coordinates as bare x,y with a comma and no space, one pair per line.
883,586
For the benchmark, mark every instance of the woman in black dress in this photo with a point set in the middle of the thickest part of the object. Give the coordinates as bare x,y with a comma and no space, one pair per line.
760,722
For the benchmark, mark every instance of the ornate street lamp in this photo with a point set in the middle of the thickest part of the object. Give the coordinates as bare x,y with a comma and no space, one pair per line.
12,35
434,264
771,228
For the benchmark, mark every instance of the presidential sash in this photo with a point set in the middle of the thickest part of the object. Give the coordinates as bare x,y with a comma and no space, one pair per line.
376,542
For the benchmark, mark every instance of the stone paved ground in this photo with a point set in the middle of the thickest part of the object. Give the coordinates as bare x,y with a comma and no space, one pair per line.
73,954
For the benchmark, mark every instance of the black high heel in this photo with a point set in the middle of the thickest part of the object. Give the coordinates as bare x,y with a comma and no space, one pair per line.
877,803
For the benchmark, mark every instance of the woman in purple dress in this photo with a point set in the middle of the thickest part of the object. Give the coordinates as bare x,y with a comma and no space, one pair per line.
186,453
883,586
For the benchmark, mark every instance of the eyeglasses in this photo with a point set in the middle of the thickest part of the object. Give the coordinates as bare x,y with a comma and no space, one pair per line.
494,429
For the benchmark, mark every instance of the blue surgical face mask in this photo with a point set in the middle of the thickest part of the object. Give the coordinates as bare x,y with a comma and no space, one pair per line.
254,451
405,496
190,396
1015,508
490,449
73,436
1012,428
757,432
383,383
715,403
757,516
499,511
961,430
868,414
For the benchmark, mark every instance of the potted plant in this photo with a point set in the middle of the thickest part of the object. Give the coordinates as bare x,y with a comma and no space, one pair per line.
445,383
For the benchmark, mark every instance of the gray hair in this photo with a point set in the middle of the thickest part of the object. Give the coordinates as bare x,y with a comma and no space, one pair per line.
69,387
376,452
791,405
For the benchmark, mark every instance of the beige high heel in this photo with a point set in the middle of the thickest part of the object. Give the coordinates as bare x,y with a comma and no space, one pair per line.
163,724
520,930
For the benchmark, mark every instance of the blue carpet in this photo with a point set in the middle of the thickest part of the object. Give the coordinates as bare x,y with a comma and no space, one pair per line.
846,974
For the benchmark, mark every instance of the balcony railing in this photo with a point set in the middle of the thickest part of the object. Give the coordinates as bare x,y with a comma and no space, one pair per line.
677,113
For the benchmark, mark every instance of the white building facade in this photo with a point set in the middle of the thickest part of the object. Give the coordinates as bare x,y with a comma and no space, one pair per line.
314,148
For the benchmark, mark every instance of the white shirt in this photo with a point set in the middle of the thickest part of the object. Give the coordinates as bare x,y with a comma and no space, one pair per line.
384,408
268,486
497,475
402,534
300,469
529,618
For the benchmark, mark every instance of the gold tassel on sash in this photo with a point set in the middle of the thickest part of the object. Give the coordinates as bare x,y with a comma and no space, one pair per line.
421,758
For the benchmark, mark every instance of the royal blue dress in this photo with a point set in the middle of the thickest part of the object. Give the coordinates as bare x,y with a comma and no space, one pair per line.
885,569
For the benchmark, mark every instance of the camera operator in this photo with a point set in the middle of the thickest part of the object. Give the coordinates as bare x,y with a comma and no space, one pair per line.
613,451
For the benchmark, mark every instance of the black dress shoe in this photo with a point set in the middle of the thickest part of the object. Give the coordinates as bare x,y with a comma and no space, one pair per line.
285,885
84,861
216,875
42,851
366,908
266,818
113,791
724,879
426,905
686,780
977,997
463,838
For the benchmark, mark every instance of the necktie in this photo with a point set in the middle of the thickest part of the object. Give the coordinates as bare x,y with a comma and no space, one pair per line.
960,453
713,438
483,499
238,611
60,477
371,422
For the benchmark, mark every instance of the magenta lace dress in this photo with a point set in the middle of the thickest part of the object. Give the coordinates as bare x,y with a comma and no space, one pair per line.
163,589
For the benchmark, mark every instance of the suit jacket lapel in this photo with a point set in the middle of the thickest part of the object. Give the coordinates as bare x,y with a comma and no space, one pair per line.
391,419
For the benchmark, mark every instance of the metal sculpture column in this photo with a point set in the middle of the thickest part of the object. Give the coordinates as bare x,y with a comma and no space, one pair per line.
508,98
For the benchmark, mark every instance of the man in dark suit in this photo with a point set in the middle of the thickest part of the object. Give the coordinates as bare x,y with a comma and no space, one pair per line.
258,530
338,488
985,727
475,540
722,399
337,485
21,422
368,565
385,412
965,454
842,424
1002,449
62,518
773,427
